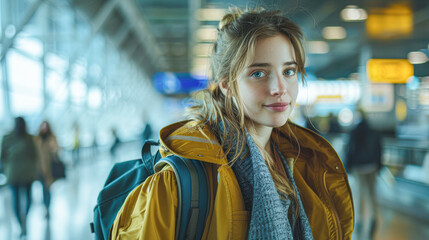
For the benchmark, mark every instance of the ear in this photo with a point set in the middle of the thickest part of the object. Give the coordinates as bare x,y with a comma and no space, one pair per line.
223,87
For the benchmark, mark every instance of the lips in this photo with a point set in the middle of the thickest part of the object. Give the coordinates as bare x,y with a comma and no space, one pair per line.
278,107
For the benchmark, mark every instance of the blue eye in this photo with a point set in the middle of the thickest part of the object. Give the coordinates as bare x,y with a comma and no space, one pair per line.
290,72
258,74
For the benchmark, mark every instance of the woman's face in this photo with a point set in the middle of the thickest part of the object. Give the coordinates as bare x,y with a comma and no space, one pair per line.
268,86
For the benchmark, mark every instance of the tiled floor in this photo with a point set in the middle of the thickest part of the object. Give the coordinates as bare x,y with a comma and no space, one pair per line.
73,200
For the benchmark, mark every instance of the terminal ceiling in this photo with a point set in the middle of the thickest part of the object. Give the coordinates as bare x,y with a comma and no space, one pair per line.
160,34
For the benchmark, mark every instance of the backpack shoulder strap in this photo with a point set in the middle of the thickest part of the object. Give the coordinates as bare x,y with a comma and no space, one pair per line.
193,195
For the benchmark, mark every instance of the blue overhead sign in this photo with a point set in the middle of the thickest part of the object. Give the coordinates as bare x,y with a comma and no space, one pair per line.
178,83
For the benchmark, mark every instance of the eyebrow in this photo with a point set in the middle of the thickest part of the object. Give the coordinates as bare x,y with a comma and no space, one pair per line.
267,64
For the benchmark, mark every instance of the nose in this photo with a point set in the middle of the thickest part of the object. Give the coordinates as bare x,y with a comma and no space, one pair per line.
278,86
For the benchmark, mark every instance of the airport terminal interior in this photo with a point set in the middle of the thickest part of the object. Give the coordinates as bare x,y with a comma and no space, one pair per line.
108,74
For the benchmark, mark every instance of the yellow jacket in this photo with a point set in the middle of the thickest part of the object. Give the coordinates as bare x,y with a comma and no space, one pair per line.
149,211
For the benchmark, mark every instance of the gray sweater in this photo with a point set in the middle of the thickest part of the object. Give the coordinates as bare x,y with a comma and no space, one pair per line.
269,213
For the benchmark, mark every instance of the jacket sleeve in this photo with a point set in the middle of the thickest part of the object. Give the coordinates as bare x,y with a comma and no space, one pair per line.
149,212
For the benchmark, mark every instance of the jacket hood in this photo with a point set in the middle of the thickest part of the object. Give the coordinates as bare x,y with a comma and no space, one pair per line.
186,140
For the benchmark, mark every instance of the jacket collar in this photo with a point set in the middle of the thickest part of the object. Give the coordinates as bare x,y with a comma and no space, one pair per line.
186,140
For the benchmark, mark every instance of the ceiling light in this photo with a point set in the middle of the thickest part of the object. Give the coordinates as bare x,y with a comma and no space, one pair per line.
94,98
352,13
203,49
318,47
334,32
206,34
417,57
210,14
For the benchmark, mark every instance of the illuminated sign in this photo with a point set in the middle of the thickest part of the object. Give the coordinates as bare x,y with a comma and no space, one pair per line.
390,22
389,70
178,83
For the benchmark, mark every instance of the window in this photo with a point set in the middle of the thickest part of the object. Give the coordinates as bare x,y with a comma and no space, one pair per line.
25,84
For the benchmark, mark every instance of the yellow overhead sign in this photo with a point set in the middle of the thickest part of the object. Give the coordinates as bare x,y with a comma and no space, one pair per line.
389,70
390,22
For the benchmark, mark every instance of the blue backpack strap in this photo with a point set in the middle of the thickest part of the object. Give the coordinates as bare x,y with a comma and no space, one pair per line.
193,196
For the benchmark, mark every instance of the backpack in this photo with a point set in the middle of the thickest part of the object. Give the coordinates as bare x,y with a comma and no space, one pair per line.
192,188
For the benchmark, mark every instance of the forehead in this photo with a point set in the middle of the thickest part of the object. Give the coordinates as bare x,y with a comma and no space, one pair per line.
271,49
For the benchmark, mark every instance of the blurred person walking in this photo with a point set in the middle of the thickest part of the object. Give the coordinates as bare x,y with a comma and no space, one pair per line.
364,163
76,145
116,143
48,145
19,158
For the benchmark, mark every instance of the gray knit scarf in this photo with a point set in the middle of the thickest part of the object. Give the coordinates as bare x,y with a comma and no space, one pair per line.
270,215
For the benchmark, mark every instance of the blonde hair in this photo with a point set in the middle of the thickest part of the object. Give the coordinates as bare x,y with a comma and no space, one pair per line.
238,34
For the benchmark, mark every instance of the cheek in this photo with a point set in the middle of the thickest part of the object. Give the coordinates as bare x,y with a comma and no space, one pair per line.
294,91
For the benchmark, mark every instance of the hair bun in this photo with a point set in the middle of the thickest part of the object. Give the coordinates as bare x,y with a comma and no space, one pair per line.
232,15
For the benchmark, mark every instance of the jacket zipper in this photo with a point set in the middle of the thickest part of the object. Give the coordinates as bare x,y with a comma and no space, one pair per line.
337,218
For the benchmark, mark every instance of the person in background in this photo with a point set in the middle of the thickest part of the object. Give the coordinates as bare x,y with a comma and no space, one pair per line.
268,178
94,147
334,126
19,157
116,142
364,163
76,145
48,145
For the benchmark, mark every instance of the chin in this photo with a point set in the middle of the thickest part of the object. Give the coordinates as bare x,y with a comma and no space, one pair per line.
278,123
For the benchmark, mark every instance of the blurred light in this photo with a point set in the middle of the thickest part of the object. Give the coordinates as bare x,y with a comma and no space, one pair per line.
78,91
203,49
210,14
57,62
206,34
345,116
170,83
329,92
178,83
94,98
318,47
79,70
10,31
424,96
413,83
32,46
417,57
334,32
352,13
389,70
393,21
3,179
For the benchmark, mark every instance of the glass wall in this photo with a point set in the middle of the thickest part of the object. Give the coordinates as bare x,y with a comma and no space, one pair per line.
59,66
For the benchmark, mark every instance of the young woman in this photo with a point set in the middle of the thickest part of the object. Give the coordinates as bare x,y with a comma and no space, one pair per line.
48,148
270,179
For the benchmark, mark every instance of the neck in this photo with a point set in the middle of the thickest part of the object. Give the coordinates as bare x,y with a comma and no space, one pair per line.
261,135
